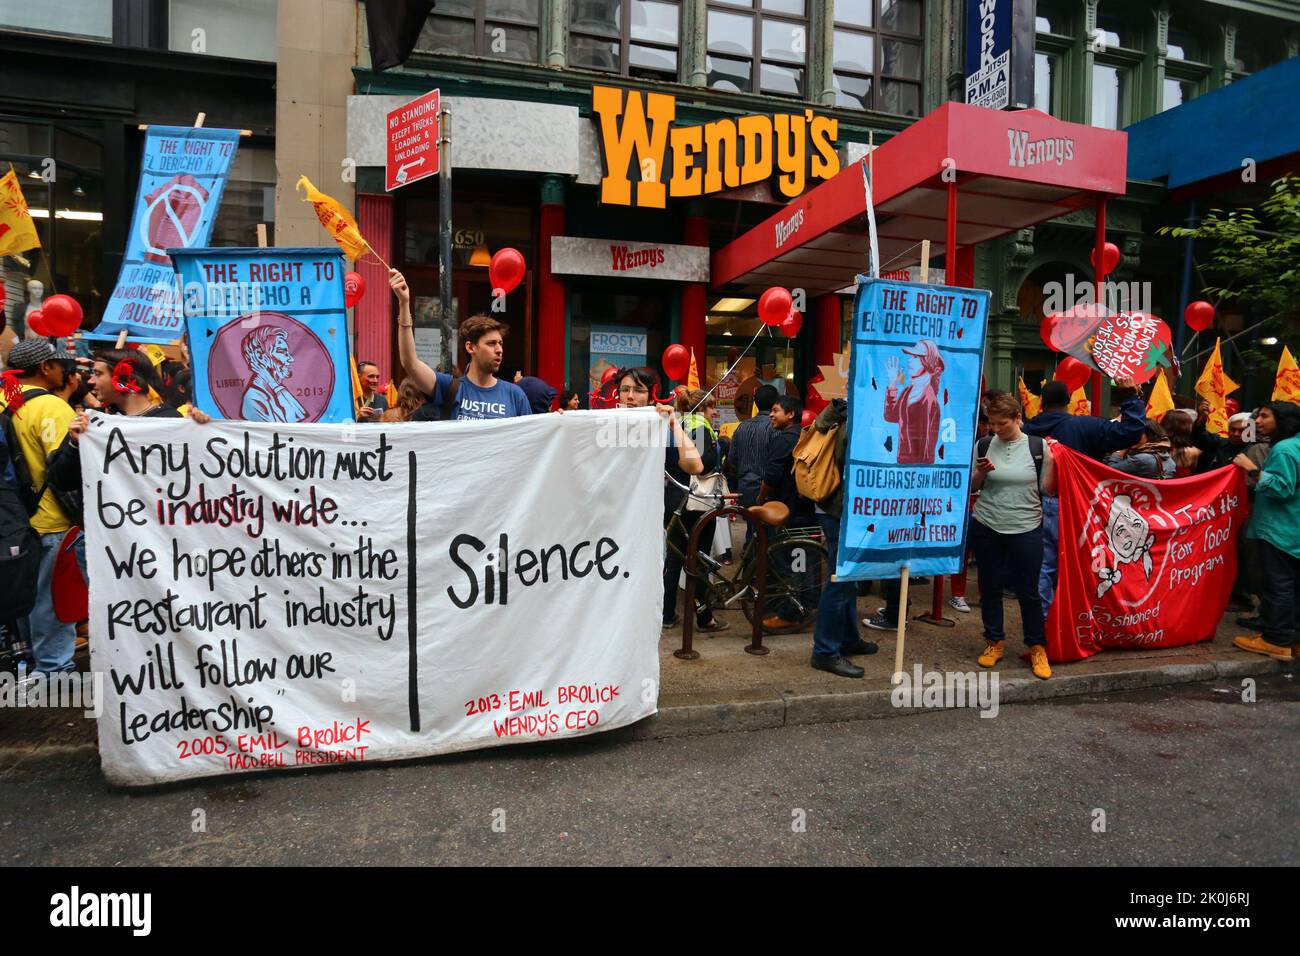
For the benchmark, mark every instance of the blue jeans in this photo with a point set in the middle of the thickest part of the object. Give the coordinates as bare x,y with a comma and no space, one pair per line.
1009,560
52,641
1047,576
837,611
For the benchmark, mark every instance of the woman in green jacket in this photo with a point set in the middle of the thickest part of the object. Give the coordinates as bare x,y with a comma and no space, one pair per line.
1275,523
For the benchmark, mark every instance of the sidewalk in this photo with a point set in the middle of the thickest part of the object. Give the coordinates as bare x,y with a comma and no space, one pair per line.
727,689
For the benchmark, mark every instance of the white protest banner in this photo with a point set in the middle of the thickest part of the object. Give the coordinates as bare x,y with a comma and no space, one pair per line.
274,596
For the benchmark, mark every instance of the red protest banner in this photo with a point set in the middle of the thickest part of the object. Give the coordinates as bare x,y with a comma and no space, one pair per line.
1142,563
413,131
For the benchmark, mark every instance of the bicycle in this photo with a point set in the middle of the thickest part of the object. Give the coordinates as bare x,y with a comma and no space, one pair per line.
798,567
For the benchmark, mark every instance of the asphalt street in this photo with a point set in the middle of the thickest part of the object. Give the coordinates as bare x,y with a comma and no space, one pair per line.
1185,775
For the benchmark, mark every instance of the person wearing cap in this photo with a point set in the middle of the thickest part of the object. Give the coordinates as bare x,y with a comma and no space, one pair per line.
41,418
915,409
1088,435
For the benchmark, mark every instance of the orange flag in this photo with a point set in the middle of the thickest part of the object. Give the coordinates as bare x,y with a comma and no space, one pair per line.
1079,404
693,376
1214,386
1161,401
17,230
338,222
391,394
357,391
1287,387
1030,402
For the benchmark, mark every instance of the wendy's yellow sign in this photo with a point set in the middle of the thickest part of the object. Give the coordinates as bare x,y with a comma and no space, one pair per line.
647,158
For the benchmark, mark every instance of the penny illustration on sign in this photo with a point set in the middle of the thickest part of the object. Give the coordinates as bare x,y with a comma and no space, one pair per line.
276,371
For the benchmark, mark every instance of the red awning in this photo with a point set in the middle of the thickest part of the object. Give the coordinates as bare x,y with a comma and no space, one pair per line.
1013,169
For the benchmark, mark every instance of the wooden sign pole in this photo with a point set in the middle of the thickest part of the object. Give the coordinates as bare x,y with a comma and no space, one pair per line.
261,235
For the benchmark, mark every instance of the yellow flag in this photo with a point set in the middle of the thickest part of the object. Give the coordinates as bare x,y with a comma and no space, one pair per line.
338,222
155,354
1030,402
1214,386
357,391
1079,404
391,394
1161,401
17,231
1287,387
693,376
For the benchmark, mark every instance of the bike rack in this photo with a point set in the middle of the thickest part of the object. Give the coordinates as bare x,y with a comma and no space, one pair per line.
687,652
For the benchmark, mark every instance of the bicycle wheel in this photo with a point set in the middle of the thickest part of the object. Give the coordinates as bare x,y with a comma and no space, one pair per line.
797,570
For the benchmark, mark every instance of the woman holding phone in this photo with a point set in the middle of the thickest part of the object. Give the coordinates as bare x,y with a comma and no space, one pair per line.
1012,473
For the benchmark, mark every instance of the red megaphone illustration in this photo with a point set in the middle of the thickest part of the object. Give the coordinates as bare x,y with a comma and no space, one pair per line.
172,213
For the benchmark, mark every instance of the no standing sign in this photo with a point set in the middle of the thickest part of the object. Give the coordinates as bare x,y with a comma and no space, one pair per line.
413,141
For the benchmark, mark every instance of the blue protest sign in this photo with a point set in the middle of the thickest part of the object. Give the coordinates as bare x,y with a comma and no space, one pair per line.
182,177
914,387
268,333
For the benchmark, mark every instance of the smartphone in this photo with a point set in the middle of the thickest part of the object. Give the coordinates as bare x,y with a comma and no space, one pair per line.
984,463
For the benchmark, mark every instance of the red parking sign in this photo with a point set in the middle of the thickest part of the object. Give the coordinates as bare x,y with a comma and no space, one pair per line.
413,141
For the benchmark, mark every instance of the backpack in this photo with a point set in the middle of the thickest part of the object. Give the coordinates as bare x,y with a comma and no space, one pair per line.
1036,445
20,555
815,475
28,494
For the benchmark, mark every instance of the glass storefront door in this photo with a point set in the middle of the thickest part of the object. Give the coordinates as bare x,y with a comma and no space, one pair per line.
609,327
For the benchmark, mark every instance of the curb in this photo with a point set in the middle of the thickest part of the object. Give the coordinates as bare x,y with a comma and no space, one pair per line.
763,712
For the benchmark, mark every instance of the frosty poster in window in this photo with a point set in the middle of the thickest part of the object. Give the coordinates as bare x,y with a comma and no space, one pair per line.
268,333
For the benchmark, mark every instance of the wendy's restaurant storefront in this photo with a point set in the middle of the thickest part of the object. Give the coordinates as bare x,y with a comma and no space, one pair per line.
617,269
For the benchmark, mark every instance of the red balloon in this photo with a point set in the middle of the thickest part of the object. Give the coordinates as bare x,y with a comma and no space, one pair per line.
354,287
1199,315
36,322
1109,258
62,314
677,361
808,417
1073,373
774,305
609,373
506,270
792,324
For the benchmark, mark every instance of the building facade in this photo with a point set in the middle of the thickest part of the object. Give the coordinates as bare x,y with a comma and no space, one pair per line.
80,81
527,150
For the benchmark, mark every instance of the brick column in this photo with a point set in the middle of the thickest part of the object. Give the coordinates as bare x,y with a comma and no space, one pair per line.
375,314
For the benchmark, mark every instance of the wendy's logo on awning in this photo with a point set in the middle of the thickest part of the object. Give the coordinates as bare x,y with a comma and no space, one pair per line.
786,229
1034,152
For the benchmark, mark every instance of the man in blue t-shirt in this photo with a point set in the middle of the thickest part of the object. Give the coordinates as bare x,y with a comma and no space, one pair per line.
477,394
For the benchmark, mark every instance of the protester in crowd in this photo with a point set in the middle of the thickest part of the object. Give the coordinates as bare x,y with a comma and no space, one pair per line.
1150,457
409,401
1088,435
476,394
373,403
21,545
1249,584
1012,476
177,386
749,444
540,395
570,399
779,485
39,422
1215,450
682,458
1275,527
835,634
958,600
1179,424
